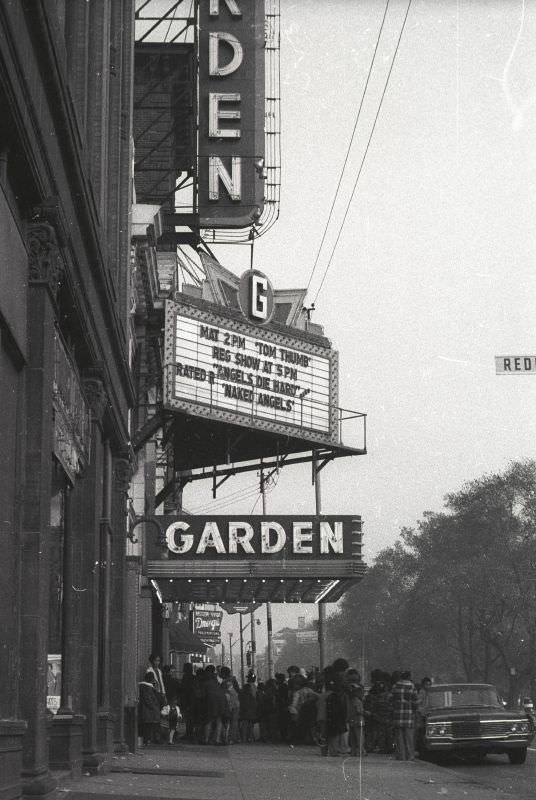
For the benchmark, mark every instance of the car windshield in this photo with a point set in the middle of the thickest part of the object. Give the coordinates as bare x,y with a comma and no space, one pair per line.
462,696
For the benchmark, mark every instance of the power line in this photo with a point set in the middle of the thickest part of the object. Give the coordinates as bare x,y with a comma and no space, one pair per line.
255,503
349,145
235,497
364,154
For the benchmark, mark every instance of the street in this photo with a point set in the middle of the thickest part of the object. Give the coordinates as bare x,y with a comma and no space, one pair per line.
278,772
496,773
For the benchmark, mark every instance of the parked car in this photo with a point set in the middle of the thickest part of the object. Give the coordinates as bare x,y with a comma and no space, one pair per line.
470,720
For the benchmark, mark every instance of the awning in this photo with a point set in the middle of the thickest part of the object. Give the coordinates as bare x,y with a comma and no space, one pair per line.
290,589
182,640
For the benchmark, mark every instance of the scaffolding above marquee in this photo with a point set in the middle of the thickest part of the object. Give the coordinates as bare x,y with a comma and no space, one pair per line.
167,116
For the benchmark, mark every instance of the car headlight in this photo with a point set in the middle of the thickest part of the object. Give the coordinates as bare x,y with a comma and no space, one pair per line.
519,727
438,729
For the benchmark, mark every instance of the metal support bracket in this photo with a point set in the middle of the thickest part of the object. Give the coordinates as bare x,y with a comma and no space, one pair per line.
179,481
316,467
149,521
148,430
216,484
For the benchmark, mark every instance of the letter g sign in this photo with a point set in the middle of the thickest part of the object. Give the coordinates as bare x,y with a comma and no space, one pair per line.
256,297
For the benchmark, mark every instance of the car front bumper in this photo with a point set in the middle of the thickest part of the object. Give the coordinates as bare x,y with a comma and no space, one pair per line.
490,744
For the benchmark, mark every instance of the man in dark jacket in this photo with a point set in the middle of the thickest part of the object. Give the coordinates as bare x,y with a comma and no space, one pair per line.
283,715
248,709
187,689
215,706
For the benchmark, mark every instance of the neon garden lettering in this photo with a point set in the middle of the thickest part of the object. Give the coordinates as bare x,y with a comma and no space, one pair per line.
231,141
217,110
241,538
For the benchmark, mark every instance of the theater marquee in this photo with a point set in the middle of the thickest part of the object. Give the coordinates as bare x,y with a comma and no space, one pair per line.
256,558
258,537
226,368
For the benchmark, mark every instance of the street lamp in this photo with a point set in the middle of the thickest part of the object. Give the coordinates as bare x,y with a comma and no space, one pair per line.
231,643
253,642
243,628
249,653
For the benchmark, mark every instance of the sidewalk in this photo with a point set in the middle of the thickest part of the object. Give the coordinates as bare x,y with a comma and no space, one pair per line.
268,772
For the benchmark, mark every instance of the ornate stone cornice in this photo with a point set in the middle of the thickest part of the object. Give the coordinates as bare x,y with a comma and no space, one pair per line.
45,262
47,234
95,392
124,468
122,474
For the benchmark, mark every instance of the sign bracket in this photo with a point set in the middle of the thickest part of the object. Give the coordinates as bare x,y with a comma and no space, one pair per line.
149,520
179,482
316,466
216,484
148,430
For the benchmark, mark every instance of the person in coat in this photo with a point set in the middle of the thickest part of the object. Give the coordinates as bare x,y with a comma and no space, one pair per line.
267,708
154,667
230,734
282,705
355,718
248,709
186,697
404,702
215,706
332,713
302,711
149,705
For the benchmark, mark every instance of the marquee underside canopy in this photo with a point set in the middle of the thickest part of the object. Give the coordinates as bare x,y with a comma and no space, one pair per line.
253,581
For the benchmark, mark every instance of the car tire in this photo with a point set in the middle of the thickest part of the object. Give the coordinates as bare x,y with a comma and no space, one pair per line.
518,756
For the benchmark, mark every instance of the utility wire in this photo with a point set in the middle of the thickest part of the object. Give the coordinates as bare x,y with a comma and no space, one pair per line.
170,23
234,497
349,145
217,506
231,495
255,503
240,494
226,500
364,154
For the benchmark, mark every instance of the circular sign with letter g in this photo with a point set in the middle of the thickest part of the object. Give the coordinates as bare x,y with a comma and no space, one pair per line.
256,297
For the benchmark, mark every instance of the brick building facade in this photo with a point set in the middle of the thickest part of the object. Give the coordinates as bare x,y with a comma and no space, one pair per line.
66,387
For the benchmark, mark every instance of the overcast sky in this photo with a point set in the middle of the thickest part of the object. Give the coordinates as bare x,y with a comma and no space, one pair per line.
433,275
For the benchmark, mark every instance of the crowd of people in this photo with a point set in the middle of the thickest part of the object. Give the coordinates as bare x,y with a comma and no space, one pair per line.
330,709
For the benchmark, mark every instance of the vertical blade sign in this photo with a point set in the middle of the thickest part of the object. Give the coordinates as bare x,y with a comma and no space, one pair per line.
231,113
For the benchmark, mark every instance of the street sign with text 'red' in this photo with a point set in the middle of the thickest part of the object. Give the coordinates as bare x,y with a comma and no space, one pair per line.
515,365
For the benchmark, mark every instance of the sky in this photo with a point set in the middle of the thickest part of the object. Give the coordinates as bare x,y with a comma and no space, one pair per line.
434,271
